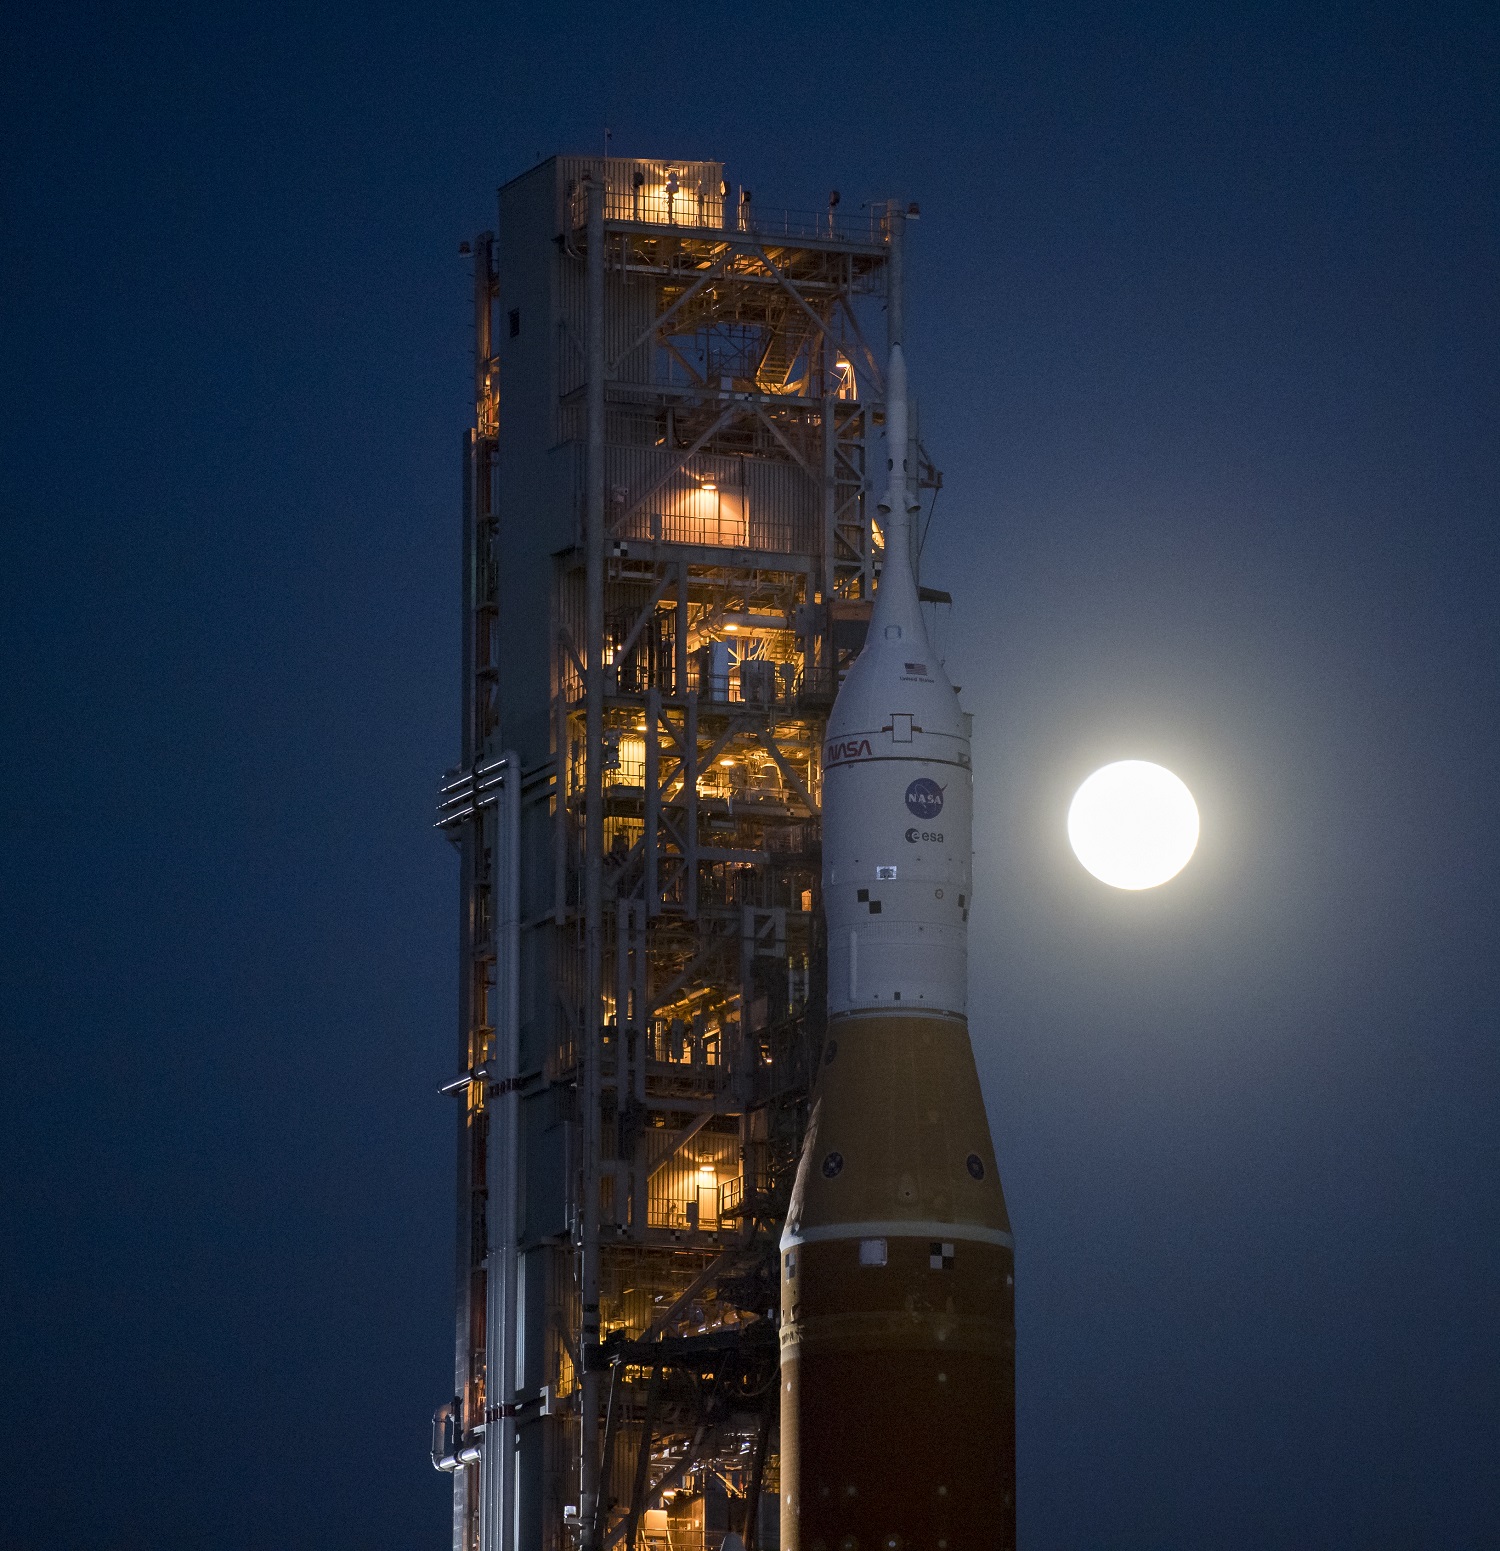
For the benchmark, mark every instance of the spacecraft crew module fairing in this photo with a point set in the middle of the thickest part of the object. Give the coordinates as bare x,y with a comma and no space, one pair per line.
897,1263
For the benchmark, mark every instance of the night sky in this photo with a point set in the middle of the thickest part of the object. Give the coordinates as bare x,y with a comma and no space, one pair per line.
1205,322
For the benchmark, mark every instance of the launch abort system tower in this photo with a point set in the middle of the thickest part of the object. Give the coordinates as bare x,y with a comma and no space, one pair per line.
670,551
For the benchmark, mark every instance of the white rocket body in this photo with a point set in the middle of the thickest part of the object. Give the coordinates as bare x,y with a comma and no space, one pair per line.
897,793
897,1260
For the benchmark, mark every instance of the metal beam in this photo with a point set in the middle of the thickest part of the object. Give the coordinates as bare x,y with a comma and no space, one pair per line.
705,956
644,337
775,431
690,773
715,1266
643,1459
593,892
731,413
640,623
653,798
876,372
785,767
680,1141
791,290
667,1482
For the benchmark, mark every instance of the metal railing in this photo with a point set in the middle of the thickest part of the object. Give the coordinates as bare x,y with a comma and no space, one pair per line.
768,535
689,210
866,227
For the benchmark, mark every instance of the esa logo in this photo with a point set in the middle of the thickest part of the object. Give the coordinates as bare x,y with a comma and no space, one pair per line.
914,835
924,798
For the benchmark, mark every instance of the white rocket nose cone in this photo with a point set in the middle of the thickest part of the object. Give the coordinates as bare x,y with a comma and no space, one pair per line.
896,792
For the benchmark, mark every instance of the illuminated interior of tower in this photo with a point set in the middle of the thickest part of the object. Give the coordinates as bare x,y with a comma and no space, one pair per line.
669,558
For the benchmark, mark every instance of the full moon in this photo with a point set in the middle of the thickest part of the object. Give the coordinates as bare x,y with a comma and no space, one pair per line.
1133,824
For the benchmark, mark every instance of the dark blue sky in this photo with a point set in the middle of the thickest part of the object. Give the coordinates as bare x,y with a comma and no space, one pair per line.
1206,323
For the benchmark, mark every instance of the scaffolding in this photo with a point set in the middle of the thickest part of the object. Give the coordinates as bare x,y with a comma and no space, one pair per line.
669,557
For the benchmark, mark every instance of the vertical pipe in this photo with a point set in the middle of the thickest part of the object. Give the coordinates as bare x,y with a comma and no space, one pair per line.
593,892
867,560
680,675
624,1054
895,519
491,1456
642,1460
653,799
510,1012
469,601
643,1048
751,1531
498,1457
621,1083
895,277
830,496
472,842
478,649
484,292
562,774
642,1031
595,1532
690,793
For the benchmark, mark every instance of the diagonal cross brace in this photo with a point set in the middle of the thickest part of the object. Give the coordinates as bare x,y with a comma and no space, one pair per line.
705,955
784,766
711,273
796,295
775,431
732,412
678,1142
657,592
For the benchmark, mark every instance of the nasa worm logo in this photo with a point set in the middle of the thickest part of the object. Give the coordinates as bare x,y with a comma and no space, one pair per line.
847,748
924,798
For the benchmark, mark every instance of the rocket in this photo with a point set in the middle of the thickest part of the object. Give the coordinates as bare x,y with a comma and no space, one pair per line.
897,1261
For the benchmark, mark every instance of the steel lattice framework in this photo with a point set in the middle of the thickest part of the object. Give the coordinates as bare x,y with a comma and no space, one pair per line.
669,555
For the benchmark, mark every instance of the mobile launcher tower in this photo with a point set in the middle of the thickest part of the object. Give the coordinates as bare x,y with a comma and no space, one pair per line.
671,551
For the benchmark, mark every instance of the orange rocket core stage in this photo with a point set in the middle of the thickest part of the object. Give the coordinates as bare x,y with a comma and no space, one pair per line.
897,1303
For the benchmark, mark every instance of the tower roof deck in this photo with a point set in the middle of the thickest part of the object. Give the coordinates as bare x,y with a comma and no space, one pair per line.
690,201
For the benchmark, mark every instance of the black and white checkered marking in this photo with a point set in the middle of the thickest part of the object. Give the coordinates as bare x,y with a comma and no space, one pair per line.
941,1257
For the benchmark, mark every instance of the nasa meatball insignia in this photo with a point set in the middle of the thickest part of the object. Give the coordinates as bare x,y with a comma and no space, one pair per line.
924,797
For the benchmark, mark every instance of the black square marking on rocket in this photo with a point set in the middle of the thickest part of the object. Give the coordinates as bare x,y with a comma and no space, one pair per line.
863,896
940,1257
874,907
